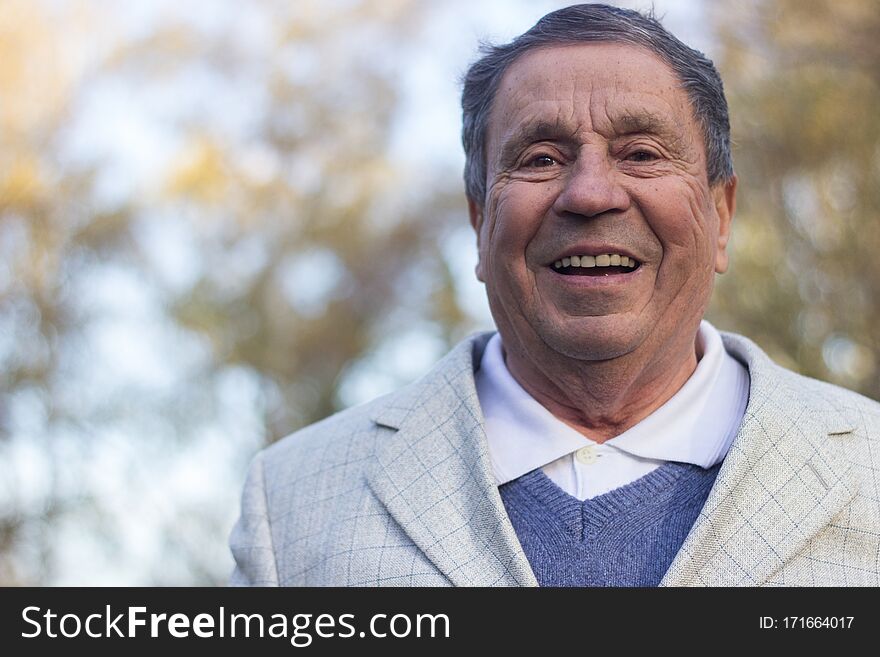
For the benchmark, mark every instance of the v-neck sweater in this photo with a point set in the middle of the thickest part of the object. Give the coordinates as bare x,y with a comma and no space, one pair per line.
626,537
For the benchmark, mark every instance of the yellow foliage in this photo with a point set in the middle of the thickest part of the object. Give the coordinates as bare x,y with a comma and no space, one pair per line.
200,174
39,64
20,183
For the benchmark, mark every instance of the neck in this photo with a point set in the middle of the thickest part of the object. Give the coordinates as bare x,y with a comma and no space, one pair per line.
602,399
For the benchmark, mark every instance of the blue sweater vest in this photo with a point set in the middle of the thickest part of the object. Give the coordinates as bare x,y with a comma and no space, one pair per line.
626,537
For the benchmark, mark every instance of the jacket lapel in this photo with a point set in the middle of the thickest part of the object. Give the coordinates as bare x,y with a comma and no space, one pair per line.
781,483
433,475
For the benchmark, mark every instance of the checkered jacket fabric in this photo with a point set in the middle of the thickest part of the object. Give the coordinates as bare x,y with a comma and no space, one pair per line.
399,492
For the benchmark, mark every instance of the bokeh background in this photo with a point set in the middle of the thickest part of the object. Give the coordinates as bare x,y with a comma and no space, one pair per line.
223,220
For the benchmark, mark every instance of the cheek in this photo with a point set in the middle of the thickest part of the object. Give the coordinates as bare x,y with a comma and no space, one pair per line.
514,214
682,218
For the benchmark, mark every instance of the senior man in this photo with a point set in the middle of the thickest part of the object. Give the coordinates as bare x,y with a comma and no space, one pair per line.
606,435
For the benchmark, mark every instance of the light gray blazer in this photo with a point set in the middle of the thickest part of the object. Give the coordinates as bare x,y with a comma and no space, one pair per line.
399,492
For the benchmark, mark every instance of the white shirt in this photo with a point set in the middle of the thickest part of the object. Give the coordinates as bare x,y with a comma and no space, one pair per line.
696,425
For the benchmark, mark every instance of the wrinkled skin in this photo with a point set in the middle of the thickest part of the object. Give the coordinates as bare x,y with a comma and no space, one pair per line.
595,147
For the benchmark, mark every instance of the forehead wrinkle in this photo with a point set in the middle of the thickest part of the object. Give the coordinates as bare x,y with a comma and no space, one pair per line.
628,113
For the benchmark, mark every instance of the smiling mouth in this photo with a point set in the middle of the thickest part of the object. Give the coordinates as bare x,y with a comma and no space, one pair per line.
601,265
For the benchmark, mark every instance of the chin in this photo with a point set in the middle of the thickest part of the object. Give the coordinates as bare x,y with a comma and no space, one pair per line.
592,338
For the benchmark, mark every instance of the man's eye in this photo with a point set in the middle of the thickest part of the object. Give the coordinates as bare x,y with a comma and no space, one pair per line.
542,161
641,156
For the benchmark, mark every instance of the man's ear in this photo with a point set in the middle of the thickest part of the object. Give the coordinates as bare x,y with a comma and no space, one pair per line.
725,205
475,212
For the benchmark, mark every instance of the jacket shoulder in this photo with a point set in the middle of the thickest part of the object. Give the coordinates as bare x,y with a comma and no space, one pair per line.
348,438
344,438
862,412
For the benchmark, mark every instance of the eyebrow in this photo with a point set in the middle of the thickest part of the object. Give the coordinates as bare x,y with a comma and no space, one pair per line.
642,122
529,134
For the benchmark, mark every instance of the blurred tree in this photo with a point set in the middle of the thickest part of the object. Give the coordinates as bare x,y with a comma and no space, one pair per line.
46,236
346,239
277,248
803,82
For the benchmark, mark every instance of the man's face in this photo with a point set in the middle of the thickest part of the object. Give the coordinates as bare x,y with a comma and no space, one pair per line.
593,150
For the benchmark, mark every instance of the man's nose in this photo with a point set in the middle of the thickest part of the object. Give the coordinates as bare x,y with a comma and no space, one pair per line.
592,187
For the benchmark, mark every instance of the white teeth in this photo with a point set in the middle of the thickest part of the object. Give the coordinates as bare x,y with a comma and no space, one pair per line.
604,260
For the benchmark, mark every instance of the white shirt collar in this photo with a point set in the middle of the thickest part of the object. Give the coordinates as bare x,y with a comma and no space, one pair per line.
696,425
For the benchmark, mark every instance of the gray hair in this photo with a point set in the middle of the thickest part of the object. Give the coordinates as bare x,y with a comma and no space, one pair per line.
595,23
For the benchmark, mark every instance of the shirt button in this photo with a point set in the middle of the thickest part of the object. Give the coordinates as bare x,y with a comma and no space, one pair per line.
586,455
